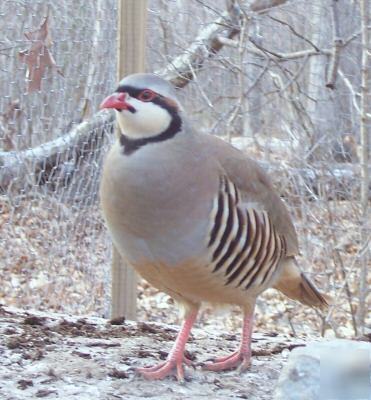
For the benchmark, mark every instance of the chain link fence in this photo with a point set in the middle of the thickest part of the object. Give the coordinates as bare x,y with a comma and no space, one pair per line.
281,80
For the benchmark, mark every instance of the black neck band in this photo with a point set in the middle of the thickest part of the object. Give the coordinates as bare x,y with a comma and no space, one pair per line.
131,145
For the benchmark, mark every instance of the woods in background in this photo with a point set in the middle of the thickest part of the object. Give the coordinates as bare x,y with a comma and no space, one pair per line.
286,81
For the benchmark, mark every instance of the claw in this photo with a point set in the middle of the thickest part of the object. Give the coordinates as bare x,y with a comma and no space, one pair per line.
170,367
162,370
237,359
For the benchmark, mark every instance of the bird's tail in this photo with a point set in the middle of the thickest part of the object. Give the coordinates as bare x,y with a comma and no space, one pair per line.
294,284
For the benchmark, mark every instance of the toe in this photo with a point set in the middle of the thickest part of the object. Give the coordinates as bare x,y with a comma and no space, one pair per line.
233,361
150,369
245,364
157,372
163,370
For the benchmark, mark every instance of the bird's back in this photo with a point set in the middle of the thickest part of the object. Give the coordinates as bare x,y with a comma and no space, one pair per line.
254,186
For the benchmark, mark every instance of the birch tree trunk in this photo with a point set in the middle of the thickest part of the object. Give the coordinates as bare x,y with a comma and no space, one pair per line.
320,104
253,102
365,125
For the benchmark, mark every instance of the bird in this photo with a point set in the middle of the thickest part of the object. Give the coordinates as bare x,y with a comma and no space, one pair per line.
195,217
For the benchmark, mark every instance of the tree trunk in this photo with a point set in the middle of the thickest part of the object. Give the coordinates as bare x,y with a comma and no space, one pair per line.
365,143
252,122
321,105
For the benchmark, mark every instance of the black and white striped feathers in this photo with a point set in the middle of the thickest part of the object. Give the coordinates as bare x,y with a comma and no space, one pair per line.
243,244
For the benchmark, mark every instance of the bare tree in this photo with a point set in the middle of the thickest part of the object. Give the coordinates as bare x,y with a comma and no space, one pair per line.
365,131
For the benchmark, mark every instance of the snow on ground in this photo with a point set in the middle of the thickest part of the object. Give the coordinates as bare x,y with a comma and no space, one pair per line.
56,356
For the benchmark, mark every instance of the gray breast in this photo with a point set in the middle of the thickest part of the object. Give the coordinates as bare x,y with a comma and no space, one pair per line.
163,198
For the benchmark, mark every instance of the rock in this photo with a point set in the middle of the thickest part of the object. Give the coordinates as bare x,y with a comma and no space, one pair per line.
338,369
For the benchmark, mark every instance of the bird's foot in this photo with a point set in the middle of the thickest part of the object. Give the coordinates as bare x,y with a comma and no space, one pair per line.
239,359
166,368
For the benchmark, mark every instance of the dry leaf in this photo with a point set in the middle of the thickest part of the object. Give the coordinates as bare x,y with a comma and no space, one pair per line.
38,56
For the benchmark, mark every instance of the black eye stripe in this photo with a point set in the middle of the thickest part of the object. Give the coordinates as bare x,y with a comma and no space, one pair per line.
160,100
134,92
147,95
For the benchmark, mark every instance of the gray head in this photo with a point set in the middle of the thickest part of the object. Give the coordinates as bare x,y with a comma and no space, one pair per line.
146,107
152,81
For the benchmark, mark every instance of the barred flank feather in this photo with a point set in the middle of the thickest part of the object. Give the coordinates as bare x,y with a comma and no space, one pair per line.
243,243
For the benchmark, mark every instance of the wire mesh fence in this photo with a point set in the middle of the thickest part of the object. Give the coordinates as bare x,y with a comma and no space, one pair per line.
53,246
281,80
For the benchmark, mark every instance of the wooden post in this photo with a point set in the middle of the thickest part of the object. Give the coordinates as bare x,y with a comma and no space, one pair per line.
131,41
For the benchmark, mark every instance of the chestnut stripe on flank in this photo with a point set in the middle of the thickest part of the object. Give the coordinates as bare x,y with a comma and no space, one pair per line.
237,197
272,269
250,237
280,254
233,243
264,253
274,259
231,189
284,245
227,230
256,248
226,184
244,247
218,219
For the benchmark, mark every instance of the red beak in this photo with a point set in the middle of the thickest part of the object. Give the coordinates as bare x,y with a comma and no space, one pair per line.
117,101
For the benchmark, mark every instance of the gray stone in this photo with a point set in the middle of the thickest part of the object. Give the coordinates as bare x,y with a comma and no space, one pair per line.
334,370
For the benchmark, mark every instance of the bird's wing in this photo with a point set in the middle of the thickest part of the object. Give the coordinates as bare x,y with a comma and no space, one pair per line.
255,188
272,228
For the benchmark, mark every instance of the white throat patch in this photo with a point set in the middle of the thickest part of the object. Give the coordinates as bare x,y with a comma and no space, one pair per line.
148,120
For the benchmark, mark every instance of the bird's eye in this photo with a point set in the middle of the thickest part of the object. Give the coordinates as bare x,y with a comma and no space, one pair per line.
146,95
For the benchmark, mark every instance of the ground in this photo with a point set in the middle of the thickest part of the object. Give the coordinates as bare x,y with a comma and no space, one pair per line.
57,356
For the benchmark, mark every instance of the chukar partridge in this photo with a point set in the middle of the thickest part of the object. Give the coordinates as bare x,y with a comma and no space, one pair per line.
194,216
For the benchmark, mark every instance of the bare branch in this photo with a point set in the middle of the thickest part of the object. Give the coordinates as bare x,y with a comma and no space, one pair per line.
205,46
280,57
265,5
210,41
295,32
12,162
338,44
355,95
347,288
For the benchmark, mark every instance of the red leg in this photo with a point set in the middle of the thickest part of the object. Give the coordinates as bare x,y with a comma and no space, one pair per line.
176,356
241,357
